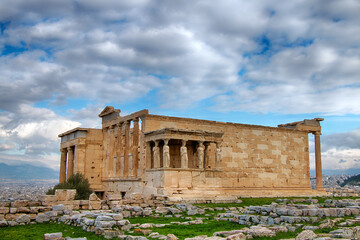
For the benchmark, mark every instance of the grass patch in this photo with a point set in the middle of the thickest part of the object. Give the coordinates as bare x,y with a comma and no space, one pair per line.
208,228
324,230
37,231
156,220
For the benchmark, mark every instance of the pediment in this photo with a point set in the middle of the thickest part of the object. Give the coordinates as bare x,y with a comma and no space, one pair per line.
109,110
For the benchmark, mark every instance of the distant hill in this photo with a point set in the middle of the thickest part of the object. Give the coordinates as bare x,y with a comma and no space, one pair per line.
329,172
26,171
354,180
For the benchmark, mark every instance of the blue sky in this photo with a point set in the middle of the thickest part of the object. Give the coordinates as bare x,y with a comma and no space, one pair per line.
255,62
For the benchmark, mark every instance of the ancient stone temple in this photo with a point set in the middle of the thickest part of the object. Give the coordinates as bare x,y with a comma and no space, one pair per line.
186,158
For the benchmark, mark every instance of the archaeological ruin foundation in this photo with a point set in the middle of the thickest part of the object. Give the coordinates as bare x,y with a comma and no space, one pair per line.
184,158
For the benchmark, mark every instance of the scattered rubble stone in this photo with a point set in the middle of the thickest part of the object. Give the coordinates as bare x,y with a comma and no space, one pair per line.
53,236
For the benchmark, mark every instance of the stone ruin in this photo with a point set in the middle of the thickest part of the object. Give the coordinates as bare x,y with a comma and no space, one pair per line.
191,159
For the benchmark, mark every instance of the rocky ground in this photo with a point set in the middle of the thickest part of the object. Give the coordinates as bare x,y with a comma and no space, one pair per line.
302,218
11,189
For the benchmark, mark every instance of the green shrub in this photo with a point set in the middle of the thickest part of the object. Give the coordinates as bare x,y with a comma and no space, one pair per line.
76,181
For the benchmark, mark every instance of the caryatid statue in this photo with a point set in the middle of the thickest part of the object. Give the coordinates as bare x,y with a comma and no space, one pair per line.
217,155
184,155
166,154
156,152
200,152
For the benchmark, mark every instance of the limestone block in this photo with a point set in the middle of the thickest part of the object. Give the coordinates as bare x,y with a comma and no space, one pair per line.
40,218
135,196
5,204
262,146
306,234
12,216
94,202
171,237
22,210
23,219
3,223
53,236
20,203
114,197
65,194
13,210
172,179
93,197
104,224
59,207
117,217
186,179
51,213
89,222
34,203
257,231
104,218
48,198
4,210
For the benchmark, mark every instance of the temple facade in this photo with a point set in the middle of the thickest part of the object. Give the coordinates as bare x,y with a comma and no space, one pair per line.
186,158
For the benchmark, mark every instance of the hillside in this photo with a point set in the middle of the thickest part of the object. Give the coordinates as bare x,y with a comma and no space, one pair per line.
354,180
26,171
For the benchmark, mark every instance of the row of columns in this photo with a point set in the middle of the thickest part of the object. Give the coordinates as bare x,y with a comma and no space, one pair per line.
66,163
183,154
121,154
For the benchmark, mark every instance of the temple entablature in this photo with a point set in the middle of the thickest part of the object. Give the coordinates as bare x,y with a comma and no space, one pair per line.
309,125
183,134
73,134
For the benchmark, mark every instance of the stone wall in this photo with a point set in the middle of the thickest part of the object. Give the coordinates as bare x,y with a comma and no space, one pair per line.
252,157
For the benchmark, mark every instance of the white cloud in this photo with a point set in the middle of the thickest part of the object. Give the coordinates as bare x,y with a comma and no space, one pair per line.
88,116
294,57
196,51
32,133
5,146
341,158
48,129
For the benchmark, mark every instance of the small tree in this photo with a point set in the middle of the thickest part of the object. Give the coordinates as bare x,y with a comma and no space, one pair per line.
76,181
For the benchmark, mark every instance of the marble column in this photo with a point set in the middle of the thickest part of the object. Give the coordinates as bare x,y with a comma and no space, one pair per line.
184,155
156,154
70,168
217,155
80,158
135,147
105,163
201,155
166,154
126,149
319,181
111,151
118,150
62,176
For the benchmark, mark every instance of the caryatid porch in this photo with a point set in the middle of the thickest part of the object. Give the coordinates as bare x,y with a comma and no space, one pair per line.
176,159
182,149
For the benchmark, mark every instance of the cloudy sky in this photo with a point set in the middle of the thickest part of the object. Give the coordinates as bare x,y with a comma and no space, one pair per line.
258,62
